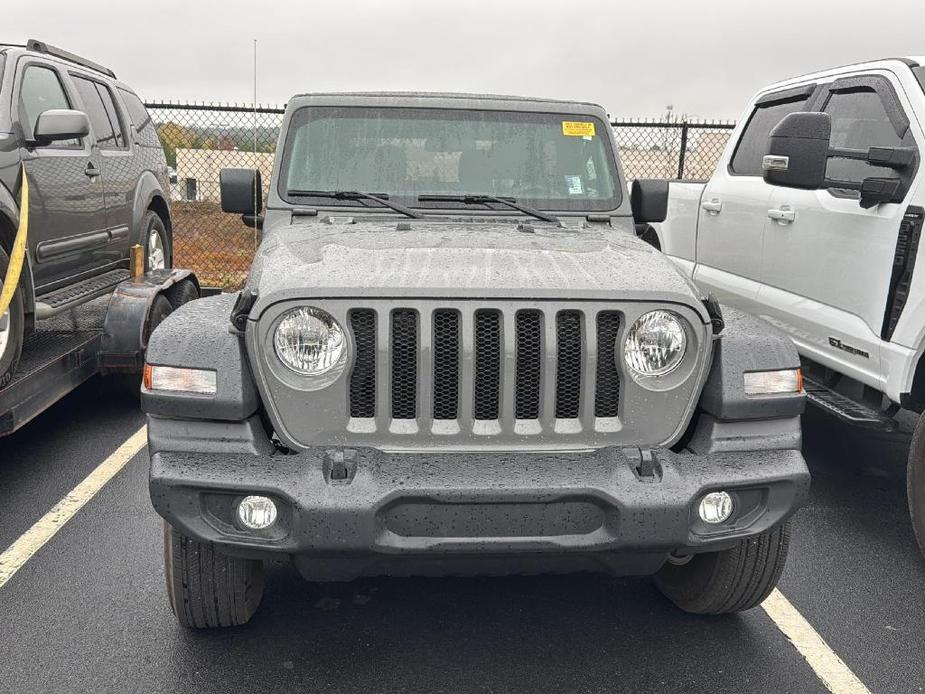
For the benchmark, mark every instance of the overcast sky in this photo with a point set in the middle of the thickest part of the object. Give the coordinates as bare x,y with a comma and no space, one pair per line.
705,57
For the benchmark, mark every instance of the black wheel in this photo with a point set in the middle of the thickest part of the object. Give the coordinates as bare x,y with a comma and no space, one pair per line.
160,309
206,588
733,580
915,482
156,243
181,293
11,330
648,235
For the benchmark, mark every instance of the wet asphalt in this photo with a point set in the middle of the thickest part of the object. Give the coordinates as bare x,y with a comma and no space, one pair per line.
88,612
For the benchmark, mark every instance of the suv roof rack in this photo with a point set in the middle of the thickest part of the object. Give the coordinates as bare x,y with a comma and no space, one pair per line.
42,47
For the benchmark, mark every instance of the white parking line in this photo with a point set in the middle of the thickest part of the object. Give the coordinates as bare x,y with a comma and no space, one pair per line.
835,675
34,538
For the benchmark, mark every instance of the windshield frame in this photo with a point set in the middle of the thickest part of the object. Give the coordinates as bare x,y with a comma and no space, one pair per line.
602,126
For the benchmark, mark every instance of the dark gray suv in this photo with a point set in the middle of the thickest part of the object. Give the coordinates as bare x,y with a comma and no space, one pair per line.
97,178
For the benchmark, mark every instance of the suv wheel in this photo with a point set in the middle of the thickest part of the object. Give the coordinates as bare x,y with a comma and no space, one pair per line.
156,243
733,580
206,588
11,330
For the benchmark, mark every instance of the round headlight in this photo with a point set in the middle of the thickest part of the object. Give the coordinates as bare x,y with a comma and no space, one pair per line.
309,341
655,344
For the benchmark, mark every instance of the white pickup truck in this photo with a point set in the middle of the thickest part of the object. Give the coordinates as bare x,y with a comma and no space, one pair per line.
812,222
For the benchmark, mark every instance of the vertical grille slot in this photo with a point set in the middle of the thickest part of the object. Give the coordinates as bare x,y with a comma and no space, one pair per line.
607,394
529,364
487,364
404,364
363,377
446,364
568,364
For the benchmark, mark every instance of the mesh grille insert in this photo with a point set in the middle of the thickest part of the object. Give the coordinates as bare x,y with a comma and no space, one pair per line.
446,364
404,363
487,364
529,363
363,377
607,395
568,364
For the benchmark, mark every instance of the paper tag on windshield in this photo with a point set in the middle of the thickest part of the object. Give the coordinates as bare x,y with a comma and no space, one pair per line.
574,185
574,128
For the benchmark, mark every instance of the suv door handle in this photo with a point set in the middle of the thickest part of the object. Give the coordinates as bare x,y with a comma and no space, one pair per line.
714,206
782,216
92,171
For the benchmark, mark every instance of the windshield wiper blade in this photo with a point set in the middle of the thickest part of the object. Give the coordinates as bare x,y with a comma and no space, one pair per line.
382,199
483,199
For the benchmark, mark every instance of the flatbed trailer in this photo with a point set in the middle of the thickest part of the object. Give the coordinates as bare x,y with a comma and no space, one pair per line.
107,335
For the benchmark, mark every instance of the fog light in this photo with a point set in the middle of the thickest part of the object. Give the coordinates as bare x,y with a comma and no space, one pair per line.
715,507
257,512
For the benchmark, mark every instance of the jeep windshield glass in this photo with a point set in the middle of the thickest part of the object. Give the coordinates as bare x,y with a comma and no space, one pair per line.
542,160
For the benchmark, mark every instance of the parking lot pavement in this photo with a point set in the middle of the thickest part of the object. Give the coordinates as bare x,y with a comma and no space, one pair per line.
88,612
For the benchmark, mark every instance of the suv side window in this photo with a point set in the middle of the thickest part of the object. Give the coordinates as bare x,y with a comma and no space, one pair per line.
141,119
105,121
859,121
753,145
40,91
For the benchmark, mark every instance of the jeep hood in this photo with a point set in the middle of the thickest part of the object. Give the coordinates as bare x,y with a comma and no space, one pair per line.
472,260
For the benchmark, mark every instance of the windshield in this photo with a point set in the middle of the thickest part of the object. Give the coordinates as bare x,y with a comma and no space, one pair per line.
549,161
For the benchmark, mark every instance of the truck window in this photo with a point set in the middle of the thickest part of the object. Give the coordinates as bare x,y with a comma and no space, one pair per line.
551,161
859,121
42,90
753,145
108,135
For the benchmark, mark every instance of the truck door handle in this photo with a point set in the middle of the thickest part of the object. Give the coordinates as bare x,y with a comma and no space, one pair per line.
782,216
713,206
92,171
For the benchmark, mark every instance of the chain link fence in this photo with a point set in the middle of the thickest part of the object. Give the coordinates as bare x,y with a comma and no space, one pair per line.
201,139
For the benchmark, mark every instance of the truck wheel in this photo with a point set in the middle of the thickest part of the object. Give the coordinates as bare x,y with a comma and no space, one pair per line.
11,330
732,580
915,482
208,589
181,293
156,242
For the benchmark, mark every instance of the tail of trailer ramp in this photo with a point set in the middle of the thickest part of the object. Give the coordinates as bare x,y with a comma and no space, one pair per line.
107,335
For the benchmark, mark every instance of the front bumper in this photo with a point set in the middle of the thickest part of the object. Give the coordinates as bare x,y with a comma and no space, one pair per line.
347,512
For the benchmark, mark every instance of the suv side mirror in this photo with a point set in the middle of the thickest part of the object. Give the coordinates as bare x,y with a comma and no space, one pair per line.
59,124
242,193
798,150
649,200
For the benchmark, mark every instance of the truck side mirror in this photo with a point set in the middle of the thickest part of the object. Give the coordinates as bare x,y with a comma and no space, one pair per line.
798,149
649,200
58,124
242,193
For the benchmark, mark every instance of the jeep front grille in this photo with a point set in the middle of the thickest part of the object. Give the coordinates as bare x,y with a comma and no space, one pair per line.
477,373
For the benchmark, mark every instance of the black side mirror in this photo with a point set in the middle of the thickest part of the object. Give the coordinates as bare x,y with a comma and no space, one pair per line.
798,149
242,192
649,200
59,124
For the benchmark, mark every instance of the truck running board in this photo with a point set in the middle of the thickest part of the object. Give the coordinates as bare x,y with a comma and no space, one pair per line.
61,300
845,408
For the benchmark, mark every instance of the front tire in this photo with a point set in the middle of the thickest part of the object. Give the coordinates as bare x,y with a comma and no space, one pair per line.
206,588
156,243
732,580
915,483
12,325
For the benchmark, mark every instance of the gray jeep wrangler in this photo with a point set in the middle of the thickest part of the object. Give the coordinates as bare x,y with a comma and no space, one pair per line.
453,356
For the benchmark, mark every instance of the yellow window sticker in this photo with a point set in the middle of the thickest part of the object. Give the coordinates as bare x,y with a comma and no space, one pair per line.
574,128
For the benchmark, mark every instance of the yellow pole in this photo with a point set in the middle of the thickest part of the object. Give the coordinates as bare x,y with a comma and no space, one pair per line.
18,256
